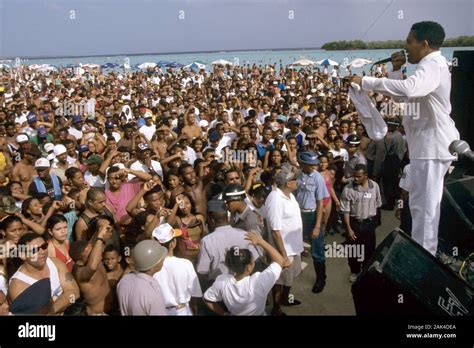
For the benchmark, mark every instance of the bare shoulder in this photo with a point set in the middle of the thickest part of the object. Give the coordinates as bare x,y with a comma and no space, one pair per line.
16,287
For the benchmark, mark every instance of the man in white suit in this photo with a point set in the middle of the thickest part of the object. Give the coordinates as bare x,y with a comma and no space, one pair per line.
429,131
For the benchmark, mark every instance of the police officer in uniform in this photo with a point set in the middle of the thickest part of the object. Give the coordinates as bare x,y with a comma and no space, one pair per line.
243,216
359,202
355,156
310,194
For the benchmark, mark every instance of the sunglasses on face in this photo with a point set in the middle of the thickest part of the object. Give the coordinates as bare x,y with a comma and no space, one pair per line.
35,249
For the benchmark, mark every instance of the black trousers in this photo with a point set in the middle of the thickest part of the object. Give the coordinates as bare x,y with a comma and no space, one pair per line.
365,243
390,179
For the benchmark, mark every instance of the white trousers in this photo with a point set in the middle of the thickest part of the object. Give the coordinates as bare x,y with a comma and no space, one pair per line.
186,310
426,190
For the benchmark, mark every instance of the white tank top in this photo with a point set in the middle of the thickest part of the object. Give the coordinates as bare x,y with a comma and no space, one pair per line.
56,289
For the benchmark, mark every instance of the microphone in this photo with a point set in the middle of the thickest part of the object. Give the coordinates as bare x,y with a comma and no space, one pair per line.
461,149
465,159
386,60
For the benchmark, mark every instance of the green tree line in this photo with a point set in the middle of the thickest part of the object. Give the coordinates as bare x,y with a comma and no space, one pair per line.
460,41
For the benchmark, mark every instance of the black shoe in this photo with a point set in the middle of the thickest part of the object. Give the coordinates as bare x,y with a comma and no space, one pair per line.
318,287
294,302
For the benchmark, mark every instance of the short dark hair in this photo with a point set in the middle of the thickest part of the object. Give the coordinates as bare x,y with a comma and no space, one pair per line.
155,189
236,259
93,192
109,248
361,167
70,172
430,31
182,167
94,223
76,249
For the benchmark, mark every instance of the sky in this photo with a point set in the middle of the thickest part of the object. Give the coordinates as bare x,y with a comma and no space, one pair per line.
54,28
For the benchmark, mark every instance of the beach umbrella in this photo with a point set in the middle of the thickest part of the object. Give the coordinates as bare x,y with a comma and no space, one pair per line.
327,62
146,65
109,65
4,66
34,66
163,63
303,62
359,63
90,66
47,68
196,65
221,62
175,65
72,66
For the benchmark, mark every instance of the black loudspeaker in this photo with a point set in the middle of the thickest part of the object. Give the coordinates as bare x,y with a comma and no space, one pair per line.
456,225
462,92
402,278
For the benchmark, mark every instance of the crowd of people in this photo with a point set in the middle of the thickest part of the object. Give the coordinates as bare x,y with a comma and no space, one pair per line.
128,191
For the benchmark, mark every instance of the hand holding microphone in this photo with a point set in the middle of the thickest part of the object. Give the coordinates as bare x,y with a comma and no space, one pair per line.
398,59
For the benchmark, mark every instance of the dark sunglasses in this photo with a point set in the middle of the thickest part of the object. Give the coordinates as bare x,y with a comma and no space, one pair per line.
43,246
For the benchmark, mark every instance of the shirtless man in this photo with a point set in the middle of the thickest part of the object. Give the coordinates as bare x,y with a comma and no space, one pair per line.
192,128
36,266
24,171
160,145
90,273
194,187
111,259
95,206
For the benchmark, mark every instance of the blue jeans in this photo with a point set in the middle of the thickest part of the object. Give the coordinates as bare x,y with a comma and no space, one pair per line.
317,244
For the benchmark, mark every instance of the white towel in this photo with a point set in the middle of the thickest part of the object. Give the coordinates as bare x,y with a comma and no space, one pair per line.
368,114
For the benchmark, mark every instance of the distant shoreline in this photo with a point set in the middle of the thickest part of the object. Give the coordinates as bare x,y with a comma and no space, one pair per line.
12,58
459,41
160,53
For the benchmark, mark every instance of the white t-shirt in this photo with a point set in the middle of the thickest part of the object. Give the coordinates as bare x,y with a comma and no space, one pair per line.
94,181
178,281
342,152
21,119
283,214
226,140
137,165
148,131
246,296
75,133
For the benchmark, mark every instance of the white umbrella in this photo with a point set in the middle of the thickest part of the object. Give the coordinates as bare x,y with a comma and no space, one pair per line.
146,65
359,63
327,61
221,62
303,62
90,66
47,68
34,66
4,66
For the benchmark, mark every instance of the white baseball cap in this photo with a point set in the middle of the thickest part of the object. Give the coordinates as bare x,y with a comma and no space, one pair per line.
59,150
203,123
42,163
50,157
48,147
22,138
164,233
